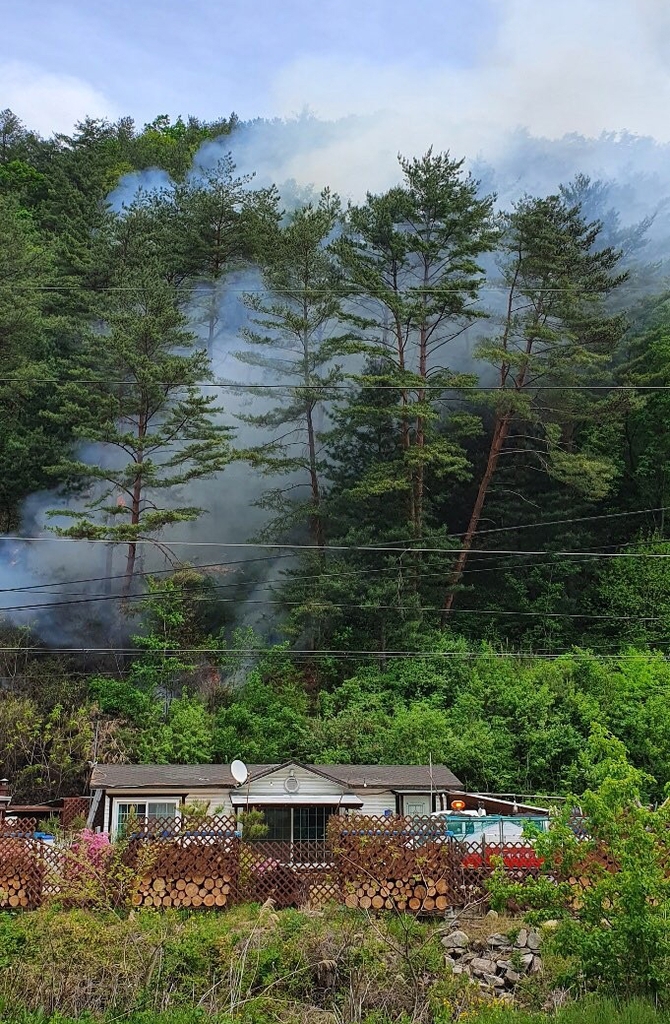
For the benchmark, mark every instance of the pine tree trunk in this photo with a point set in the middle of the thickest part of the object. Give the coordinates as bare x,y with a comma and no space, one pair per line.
132,547
500,432
136,504
316,522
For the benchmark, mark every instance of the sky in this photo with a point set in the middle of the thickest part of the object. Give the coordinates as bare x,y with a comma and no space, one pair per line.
472,66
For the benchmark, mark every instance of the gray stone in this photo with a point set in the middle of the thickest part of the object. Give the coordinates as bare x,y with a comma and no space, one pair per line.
497,940
533,940
527,960
512,976
536,966
494,980
456,940
459,970
449,962
493,915
521,938
481,966
502,965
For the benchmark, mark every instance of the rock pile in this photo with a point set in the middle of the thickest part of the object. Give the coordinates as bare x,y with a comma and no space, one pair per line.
498,962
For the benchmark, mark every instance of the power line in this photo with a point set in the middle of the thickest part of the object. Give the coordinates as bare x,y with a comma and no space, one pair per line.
577,653
559,522
138,573
324,605
263,558
420,386
325,549
411,290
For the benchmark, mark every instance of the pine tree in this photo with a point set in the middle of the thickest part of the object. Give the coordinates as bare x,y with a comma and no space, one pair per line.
555,333
153,426
410,256
224,226
298,339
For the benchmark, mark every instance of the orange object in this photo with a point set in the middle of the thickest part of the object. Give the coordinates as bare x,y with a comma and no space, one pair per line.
458,805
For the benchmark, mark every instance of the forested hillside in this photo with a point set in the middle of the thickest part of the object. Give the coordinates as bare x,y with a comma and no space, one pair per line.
287,475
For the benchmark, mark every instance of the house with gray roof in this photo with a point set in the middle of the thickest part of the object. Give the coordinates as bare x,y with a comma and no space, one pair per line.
296,799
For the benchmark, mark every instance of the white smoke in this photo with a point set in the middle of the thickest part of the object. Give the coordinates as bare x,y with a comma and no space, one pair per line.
580,86
575,67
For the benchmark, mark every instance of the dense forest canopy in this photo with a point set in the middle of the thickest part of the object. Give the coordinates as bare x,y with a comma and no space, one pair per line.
287,475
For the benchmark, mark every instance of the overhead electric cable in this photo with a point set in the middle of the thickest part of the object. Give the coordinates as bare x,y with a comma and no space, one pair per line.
233,652
263,558
280,545
416,385
323,604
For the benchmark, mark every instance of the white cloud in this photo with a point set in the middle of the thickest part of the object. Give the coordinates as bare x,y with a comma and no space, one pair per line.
49,102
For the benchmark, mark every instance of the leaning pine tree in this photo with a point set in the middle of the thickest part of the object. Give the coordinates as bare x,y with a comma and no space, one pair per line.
556,338
142,405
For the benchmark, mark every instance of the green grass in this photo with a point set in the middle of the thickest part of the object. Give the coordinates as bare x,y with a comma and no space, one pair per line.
587,1011
251,965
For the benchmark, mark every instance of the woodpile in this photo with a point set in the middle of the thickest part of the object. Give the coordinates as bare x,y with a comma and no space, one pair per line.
15,890
21,874
190,891
392,863
424,896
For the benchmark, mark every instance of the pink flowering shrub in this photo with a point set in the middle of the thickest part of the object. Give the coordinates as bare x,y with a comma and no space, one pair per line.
88,856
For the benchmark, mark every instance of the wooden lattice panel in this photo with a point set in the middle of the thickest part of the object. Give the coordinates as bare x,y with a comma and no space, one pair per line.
21,873
291,874
403,864
186,864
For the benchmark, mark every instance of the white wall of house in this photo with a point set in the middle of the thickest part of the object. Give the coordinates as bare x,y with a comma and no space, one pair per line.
214,798
304,787
309,784
376,802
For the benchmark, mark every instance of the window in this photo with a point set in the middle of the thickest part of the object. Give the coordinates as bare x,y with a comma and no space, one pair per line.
144,811
296,824
278,821
310,822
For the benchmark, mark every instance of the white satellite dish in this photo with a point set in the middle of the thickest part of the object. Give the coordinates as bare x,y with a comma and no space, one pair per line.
239,772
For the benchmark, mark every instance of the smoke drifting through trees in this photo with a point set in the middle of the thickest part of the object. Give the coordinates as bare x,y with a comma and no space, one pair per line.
634,170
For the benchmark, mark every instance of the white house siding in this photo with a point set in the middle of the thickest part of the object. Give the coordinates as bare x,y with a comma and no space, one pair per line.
309,784
215,798
376,802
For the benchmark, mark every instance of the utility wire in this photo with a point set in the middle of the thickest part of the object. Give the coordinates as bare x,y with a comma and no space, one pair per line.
263,558
415,386
324,549
234,652
411,290
324,605
139,573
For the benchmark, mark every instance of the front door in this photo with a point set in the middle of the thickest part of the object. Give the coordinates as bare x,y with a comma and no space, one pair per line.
417,806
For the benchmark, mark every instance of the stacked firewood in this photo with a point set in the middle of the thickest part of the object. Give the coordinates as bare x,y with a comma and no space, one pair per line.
189,891
21,873
14,890
424,895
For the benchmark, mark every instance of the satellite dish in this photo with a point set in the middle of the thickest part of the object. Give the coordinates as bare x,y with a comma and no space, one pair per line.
239,772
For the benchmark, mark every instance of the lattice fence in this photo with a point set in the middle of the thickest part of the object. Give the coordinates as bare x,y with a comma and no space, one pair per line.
406,864
183,863
396,863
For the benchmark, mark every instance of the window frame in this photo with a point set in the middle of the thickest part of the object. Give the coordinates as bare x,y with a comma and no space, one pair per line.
144,818
297,814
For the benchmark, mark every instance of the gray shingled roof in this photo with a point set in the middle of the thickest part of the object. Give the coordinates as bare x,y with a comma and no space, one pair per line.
188,777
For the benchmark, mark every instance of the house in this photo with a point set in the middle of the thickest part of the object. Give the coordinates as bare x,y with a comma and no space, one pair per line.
296,799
